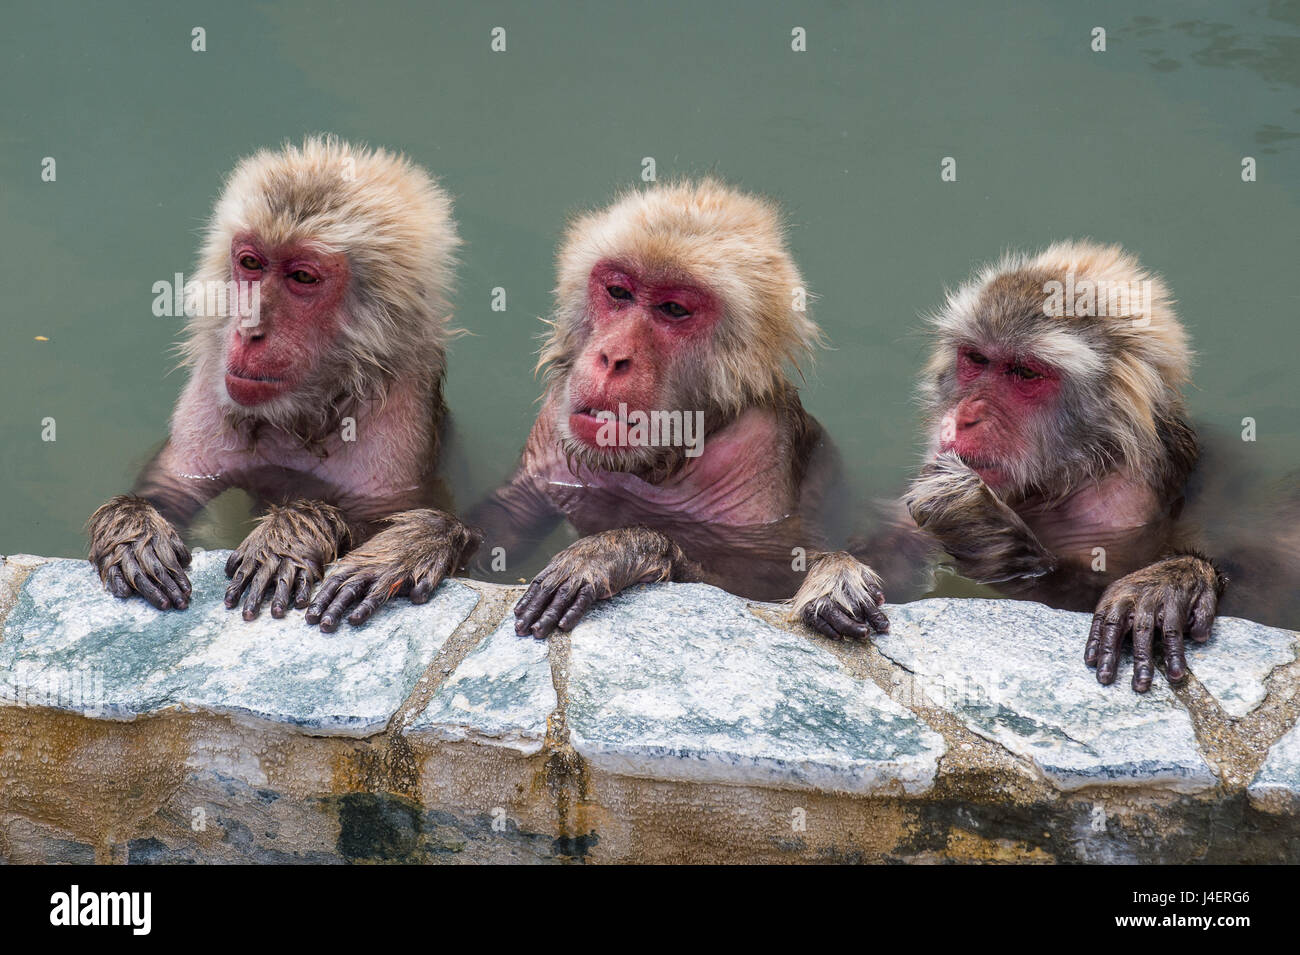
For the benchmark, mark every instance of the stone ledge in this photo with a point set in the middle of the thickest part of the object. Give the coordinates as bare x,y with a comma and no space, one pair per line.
676,723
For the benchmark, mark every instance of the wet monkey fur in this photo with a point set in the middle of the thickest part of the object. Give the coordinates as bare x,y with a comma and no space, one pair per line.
1057,435
682,301
324,401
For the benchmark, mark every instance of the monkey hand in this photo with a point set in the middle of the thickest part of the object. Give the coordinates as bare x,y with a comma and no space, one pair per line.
840,598
1177,596
287,551
410,557
596,568
136,550
987,539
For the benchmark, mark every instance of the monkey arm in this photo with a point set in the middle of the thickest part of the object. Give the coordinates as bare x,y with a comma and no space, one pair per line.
410,557
1176,596
596,568
840,598
987,539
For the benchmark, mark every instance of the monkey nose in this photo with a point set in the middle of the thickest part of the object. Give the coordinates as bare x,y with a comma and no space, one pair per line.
614,366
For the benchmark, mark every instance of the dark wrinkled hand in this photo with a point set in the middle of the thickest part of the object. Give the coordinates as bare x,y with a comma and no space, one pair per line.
410,558
137,551
284,557
841,599
595,568
987,539
1175,597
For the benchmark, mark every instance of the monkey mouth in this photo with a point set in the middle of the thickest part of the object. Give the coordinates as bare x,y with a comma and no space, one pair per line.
251,389
591,427
991,472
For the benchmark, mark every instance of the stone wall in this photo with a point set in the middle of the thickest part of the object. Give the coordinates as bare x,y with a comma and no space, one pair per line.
676,723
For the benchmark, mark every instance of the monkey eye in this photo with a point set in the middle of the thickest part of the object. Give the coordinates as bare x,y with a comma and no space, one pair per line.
674,310
250,262
618,292
303,278
977,358
1026,374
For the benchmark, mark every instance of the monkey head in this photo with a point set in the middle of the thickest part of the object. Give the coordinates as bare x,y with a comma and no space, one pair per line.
1054,369
679,298
350,252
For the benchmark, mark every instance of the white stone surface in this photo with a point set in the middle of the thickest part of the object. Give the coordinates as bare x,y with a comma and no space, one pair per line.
1013,672
1276,787
501,694
70,644
691,686
1237,660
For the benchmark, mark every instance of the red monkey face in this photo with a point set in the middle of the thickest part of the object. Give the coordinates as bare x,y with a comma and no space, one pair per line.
278,348
1002,404
648,334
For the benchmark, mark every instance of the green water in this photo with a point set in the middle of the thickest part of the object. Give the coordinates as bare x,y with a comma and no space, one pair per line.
1141,144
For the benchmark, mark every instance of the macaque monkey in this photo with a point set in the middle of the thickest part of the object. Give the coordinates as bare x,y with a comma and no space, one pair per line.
316,347
671,434
1059,457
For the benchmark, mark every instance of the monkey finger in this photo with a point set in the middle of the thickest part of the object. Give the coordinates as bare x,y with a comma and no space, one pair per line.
256,592
545,624
1202,618
233,561
150,591
117,585
1171,641
374,599
347,595
182,552
581,604
844,625
168,551
162,576
313,572
283,582
423,590
531,605
1112,638
812,618
1094,640
325,595
246,569
876,617
178,586
1144,624
302,592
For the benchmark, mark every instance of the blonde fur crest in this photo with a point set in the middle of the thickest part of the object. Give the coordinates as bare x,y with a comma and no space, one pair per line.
394,224
731,242
1124,359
